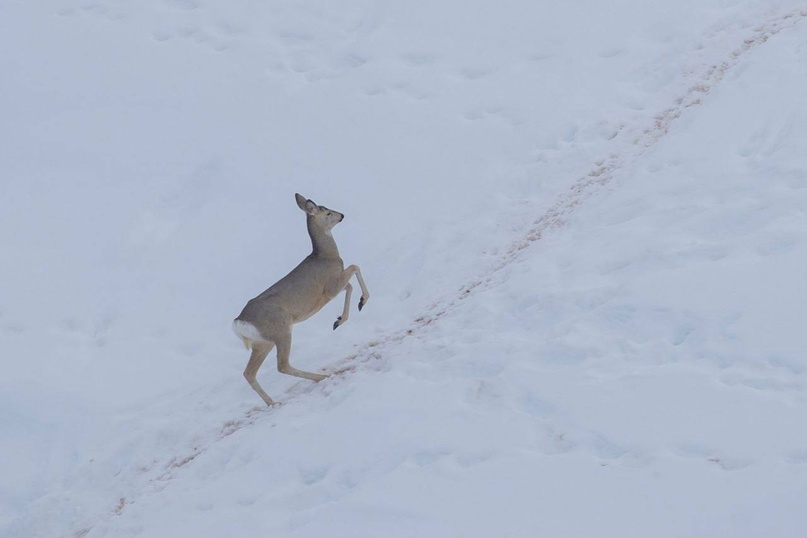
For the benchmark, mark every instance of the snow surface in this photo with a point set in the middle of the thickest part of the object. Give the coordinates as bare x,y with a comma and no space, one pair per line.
583,224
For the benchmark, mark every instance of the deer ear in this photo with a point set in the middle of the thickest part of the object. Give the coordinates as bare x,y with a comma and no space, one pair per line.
306,205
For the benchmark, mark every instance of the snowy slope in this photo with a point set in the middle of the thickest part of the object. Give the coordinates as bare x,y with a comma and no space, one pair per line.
583,227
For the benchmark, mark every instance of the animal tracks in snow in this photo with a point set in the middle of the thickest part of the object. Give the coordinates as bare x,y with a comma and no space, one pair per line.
92,8
710,457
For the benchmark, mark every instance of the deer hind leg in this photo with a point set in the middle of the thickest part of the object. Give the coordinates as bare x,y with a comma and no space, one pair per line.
346,310
259,353
283,366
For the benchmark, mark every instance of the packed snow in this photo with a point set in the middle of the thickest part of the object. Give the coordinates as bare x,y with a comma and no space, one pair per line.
583,225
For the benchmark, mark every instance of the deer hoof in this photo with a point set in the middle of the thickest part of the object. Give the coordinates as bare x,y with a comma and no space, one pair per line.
337,323
362,302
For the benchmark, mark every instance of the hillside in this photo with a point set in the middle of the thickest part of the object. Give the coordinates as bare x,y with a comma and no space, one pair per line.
583,226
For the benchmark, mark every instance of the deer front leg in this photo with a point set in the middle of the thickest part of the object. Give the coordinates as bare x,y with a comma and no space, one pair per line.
365,295
345,277
346,310
343,283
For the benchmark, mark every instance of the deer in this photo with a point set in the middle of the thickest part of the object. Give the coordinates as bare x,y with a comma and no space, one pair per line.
266,321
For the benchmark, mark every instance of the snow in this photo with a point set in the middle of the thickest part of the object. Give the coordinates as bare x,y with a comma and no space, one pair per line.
583,227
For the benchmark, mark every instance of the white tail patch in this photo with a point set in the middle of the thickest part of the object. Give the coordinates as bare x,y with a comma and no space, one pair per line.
247,332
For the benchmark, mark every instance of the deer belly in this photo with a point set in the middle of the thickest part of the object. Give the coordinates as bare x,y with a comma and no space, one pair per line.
314,308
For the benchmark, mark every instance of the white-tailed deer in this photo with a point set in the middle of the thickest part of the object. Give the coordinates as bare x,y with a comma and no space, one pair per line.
266,320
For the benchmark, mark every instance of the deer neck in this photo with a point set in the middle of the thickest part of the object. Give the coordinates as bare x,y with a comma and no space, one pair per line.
323,243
